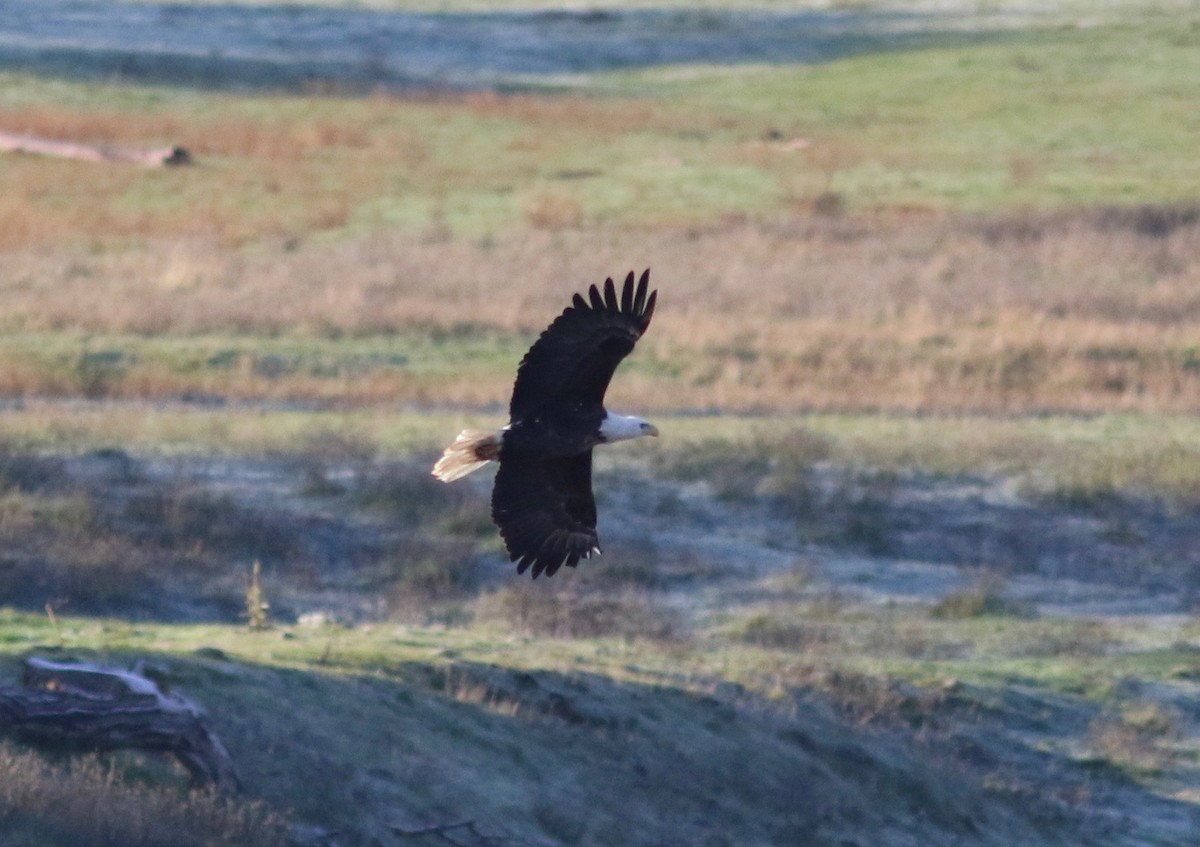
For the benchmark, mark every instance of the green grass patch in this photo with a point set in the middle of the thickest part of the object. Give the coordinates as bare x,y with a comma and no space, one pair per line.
968,121
1012,119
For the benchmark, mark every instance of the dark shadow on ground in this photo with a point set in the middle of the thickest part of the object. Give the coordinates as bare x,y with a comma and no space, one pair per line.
281,47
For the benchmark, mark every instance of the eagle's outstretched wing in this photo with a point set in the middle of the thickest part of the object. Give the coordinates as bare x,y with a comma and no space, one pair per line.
545,510
575,357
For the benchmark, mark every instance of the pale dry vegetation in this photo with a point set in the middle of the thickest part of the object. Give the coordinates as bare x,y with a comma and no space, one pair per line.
221,199
1139,739
1079,312
88,802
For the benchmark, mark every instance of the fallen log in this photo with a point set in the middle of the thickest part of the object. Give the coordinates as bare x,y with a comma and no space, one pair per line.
164,157
81,706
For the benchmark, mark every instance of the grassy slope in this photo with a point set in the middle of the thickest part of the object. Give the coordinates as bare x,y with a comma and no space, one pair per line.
566,742
587,741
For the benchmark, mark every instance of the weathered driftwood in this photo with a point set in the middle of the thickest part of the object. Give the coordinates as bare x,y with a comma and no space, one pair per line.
167,156
81,706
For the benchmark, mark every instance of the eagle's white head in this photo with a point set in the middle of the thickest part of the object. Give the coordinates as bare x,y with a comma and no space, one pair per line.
623,427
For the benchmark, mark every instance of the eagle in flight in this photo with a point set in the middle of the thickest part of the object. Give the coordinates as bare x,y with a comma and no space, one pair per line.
542,498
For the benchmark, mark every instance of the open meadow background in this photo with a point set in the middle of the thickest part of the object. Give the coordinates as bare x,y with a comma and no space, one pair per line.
916,560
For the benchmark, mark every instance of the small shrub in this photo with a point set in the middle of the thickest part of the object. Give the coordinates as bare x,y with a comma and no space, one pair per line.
1094,493
830,204
1137,740
767,630
1155,221
871,699
257,607
1152,719
789,483
983,597
58,515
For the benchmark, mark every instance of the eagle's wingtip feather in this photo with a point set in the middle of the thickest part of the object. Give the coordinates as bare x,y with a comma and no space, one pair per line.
639,300
610,296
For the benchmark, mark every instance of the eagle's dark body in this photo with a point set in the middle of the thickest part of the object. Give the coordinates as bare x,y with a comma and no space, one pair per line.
542,498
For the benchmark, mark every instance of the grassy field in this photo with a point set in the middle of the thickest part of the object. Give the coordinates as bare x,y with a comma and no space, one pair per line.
914,561
995,244
1019,119
1085,312
421,725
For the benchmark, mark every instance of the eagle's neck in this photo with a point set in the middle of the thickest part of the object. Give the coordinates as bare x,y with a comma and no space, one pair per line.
623,427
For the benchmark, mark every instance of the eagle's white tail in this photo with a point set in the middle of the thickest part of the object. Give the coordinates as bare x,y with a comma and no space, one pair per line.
473,449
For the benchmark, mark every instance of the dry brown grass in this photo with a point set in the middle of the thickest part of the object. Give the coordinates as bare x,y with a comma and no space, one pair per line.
87,804
284,189
288,167
1086,312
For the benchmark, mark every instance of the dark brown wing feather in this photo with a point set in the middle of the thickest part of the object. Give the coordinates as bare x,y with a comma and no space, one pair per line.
574,359
545,510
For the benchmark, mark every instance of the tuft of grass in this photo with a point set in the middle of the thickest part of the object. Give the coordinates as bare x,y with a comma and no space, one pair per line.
88,804
1138,740
768,630
983,597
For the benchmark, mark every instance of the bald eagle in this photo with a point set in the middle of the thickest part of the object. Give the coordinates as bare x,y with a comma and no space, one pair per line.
542,497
